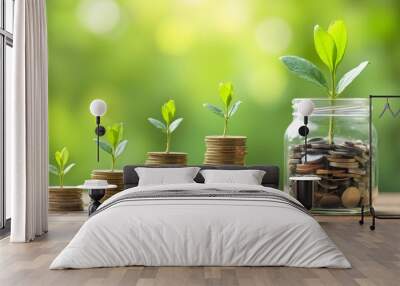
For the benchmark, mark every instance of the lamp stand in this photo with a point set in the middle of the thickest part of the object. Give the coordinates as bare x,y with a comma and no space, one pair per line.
303,131
100,131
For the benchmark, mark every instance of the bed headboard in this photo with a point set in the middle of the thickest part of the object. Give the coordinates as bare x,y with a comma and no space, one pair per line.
271,177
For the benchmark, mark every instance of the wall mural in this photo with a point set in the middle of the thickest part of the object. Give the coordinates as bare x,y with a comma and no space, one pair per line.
136,56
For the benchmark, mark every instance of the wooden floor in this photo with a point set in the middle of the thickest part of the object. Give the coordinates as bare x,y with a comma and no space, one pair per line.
375,257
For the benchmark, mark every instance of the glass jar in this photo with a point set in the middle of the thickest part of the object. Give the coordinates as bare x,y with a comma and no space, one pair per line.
337,152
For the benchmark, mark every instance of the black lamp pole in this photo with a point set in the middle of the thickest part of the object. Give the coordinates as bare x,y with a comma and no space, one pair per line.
98,137
303,131
100,131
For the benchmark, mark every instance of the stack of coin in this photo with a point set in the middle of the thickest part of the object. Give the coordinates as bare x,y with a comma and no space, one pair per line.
115,177
340,166
307,168
225,150
164,158
65,199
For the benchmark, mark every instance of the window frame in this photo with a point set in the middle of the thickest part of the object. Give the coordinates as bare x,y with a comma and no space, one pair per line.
6,39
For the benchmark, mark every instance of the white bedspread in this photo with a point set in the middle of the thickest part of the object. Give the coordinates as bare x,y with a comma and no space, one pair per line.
200,231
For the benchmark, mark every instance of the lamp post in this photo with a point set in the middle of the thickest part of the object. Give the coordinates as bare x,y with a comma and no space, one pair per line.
305,184
305,108
98,108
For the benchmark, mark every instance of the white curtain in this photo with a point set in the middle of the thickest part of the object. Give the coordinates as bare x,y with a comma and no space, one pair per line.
26,123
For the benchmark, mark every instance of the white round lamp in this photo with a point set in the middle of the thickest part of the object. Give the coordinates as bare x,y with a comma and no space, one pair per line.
98,107
305,107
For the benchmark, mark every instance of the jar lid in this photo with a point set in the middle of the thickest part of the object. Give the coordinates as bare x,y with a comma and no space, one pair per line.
358,107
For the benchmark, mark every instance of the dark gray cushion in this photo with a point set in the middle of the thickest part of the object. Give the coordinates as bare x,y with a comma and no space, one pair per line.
270,179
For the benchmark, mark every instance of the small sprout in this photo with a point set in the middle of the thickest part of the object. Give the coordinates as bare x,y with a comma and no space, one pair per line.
228,110
168,114
61,158
115,145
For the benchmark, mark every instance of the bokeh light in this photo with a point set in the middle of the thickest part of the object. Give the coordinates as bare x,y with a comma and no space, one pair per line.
99,16
174,37
273,35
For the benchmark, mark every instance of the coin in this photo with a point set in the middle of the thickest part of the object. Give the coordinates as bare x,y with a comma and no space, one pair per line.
321,146
344,165
307,168
361,159
357,171
313,159
346,175
317,140
317,151
228,150
340,160
329,171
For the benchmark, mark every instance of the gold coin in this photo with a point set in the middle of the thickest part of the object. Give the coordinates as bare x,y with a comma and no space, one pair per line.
328,171
344,165
340,160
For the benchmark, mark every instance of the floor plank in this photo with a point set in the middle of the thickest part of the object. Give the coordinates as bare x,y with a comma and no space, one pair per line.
375,257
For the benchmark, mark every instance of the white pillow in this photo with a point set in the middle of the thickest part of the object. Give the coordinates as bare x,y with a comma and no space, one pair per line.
246,177
165,176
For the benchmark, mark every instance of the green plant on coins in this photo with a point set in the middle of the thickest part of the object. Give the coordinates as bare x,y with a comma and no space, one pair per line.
61,158
330,46
169,125
226,95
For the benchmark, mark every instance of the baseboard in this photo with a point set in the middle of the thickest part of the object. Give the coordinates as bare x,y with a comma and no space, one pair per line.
5,231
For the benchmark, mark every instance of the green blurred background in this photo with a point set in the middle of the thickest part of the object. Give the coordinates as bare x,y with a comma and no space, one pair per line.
137,54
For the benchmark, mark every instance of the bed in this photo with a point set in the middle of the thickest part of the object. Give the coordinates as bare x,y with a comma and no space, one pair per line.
197,224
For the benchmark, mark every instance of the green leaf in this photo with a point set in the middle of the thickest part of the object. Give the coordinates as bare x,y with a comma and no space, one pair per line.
338,32
157,123
58,158
120,128
214,109
67,169
348,78
171,108
226,93
120,148
165,114
113,134
305,70
175,124
105,146
325,47
234,108
168,111
64,156
53,169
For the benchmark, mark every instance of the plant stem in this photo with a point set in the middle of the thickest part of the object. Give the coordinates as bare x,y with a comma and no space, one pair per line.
61,180
168,140
331,131
225,125
226,118
112,162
